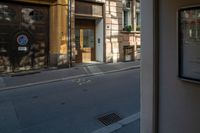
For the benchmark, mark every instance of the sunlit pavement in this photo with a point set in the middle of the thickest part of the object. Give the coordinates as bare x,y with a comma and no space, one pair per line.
71,106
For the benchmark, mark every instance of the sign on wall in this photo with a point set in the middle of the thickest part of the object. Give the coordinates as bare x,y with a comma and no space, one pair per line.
189,43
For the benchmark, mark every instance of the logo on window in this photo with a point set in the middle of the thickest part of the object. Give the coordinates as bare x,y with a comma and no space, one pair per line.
22,40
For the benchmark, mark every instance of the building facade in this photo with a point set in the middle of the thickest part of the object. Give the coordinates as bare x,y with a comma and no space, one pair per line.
105,30
36,34
33,34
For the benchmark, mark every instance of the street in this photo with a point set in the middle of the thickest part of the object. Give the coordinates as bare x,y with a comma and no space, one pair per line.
70,106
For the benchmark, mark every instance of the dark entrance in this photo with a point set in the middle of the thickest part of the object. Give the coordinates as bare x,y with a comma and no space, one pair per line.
23,37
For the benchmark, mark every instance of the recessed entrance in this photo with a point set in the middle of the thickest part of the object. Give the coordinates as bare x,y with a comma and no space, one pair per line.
85,40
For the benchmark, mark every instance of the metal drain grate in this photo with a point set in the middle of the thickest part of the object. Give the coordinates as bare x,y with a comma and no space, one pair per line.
109,119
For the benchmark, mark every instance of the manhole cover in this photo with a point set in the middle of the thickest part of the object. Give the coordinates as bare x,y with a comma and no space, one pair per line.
109,119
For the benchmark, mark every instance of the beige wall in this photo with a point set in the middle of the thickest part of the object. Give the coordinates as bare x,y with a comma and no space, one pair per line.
116,38
58,32
147,84
178,100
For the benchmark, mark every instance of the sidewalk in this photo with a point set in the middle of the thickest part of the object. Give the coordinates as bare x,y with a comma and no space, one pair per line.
47,76
133,127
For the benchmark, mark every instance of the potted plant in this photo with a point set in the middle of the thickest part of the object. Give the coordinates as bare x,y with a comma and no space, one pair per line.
128,28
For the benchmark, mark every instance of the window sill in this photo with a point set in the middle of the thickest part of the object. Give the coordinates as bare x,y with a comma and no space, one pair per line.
131,32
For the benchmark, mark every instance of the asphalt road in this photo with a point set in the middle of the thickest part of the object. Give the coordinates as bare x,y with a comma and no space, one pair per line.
70,106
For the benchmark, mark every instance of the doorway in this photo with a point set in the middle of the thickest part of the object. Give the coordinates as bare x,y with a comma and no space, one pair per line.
85,41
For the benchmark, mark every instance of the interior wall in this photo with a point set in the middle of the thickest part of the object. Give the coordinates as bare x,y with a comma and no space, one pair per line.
99,39
147,67
179,108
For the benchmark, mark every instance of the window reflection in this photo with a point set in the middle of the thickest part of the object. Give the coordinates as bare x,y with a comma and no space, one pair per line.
198,13
77,38
190,21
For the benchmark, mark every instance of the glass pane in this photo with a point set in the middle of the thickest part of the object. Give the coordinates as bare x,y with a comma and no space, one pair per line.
137,5
190,22
77,38
125,18
88,38
198,13
138,21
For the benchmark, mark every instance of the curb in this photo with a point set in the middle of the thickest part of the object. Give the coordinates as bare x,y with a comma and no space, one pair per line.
67,78
116,126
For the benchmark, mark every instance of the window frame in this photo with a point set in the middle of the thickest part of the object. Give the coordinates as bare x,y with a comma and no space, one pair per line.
130,15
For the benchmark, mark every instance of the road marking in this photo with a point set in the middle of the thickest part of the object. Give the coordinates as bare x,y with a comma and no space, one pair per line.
113,127
81,81
86,70
67,78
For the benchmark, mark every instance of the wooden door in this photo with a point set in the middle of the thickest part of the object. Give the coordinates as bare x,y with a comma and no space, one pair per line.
85,42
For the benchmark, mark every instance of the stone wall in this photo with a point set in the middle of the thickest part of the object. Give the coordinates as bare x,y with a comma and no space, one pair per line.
130,39
58,11
58,33
113,26
116,38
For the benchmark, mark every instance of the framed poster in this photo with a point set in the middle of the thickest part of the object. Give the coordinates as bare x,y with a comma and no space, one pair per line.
189,43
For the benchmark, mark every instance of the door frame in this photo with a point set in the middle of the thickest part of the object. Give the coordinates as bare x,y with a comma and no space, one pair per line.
90,24
149,79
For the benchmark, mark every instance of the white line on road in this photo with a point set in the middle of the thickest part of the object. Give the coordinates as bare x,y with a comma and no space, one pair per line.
113,127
